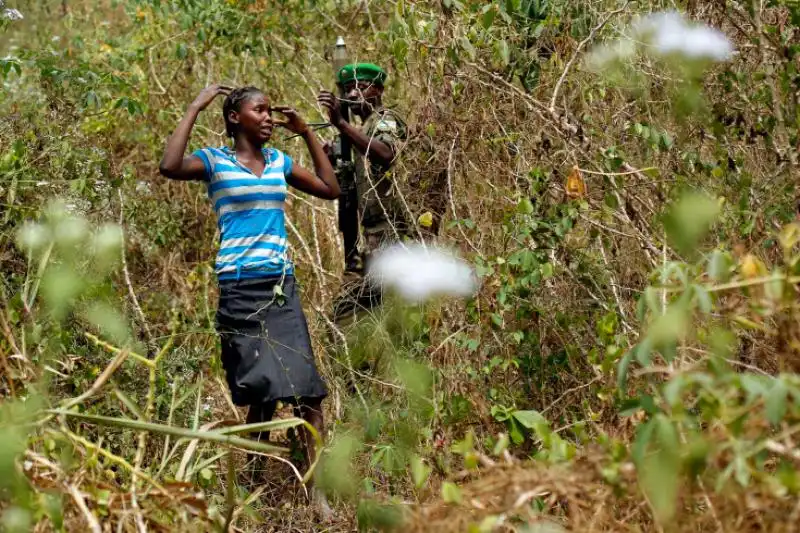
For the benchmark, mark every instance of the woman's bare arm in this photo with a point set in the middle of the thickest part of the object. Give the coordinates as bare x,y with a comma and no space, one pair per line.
174,165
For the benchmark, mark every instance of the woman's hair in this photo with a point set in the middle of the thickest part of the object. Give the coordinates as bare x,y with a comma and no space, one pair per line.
233,102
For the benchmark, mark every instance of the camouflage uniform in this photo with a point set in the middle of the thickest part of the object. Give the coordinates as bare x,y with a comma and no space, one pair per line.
380,211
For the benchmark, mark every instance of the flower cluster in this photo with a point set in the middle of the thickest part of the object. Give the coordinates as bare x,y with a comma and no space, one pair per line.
665,34
418,272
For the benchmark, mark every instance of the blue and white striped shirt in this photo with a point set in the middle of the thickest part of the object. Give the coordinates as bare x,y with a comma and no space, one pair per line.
250,213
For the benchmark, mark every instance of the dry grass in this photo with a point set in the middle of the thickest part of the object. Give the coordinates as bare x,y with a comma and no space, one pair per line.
574,497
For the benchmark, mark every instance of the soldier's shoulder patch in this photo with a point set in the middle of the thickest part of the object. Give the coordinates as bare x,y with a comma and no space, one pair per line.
388,124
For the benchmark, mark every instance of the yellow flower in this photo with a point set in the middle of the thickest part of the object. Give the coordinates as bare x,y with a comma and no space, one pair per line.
426,219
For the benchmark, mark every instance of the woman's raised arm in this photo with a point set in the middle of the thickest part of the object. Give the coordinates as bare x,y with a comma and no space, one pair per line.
174,165
324,183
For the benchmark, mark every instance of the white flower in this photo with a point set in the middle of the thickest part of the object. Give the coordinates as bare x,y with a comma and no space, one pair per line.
602,56
108,240
418,272
12,14
664,34
669,33
33,236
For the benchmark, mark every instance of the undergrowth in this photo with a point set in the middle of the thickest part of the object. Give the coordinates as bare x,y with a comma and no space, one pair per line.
629,363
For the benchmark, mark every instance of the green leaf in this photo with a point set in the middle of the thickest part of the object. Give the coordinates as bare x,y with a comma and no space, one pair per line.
673,390
660,470
468,47
775,402
642,440
753,385
419,471
529,419
741,470
719,266
515,432
110,322
669,327
529,76
400,50
489,14
659,480
525,206
497,320
375,516
629,406
688,220
644,352
703,299
653,302
622,368
451,493
92,99
503,52
648,404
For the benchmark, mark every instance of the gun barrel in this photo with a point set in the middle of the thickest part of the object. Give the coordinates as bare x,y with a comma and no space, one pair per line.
339,55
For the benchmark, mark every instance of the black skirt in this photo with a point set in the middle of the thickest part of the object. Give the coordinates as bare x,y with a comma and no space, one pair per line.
266,348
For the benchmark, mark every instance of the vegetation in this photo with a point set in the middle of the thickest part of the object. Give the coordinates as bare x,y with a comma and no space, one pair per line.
631,359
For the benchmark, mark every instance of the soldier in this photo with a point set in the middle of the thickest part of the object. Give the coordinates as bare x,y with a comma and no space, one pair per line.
372,202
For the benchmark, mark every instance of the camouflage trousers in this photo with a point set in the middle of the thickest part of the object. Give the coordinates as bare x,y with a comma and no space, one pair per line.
357,306
358,294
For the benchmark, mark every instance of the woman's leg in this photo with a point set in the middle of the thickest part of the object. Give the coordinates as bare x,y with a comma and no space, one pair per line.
310,409
261,413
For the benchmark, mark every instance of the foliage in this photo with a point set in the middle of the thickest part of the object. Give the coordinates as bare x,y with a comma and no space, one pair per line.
631,358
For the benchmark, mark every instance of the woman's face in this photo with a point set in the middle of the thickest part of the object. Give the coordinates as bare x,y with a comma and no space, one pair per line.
254,118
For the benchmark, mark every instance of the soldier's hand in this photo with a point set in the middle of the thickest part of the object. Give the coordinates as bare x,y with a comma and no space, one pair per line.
331,104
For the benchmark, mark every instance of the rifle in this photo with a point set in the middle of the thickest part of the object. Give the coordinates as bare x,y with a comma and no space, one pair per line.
345,171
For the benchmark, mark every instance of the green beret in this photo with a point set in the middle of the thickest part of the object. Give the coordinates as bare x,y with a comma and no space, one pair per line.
361,72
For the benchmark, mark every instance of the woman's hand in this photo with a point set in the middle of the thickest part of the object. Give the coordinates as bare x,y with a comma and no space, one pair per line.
293,121
208,94
173,164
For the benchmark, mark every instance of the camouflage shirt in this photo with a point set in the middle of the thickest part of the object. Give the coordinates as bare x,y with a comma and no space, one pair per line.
377,196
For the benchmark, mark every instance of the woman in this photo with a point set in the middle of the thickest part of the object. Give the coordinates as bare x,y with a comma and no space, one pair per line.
266,349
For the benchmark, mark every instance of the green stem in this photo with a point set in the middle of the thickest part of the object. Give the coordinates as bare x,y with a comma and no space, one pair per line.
739,284
209,436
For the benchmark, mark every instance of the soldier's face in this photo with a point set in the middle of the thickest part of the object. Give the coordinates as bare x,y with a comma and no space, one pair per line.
363,96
